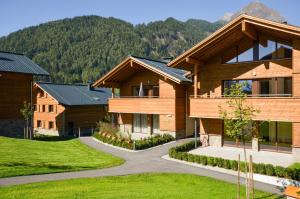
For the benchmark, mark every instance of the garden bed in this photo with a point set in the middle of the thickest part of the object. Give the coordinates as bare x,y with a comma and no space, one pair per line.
111,135
181,153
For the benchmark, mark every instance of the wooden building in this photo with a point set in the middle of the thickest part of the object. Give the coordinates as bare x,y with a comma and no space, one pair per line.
66,110
151,97
263,53
16,81
266,55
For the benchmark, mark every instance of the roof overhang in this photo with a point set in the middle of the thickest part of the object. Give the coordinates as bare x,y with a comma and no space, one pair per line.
242,27
125,69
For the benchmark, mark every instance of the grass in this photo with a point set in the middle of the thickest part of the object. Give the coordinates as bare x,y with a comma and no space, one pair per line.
158,186
49,155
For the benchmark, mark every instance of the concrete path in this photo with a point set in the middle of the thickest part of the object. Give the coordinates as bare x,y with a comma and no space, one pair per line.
231,153
141,162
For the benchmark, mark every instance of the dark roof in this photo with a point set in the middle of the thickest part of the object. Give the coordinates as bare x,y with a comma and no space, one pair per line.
18,63
162,66
71,95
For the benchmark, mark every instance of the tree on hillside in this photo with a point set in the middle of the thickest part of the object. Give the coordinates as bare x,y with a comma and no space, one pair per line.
238,118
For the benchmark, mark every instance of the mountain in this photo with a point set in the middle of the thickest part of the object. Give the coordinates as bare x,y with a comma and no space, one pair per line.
83,48
256,9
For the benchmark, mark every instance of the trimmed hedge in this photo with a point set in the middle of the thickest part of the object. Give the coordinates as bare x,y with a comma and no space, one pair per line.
139,144
153,141
181,153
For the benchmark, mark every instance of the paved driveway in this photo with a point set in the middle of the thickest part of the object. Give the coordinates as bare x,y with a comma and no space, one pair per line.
140,162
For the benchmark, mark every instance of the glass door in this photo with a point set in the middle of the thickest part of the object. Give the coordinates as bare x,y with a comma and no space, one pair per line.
155,124
276,136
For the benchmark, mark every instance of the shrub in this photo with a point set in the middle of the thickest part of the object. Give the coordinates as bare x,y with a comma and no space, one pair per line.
234,165
203,160
259,168
180,152
226,164
152,141
280,171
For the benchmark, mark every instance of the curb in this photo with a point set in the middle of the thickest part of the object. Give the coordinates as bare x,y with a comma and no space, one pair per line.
129,150
276,181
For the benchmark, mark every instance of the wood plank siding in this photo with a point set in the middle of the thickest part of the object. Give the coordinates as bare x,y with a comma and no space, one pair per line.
15,88
271,108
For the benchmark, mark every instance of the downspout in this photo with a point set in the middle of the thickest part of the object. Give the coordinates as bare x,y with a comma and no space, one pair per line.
31,108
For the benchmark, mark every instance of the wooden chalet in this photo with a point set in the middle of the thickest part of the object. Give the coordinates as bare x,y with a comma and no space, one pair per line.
68,110
16,81
158,97
151,97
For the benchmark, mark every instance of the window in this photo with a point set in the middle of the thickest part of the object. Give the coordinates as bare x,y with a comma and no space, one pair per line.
41,93
51,125
147,91
43,108
274,50
39,124
247,88
278,86
262,50
34,107
51,109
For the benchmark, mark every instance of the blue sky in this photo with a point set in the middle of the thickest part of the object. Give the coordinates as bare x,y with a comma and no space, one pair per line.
18,14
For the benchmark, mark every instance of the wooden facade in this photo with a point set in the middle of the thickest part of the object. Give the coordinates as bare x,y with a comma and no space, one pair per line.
15,88
210,66
53,118
275,81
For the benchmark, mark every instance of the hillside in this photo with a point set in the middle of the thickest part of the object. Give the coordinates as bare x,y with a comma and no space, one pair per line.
84,48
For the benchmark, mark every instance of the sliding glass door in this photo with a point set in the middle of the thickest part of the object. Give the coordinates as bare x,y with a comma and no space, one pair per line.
276,136
140,123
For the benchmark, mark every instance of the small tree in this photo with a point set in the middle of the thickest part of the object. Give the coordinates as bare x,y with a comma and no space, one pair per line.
238,118
27,113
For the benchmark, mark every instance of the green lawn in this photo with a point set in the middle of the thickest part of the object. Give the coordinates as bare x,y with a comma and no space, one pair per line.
168,186
26,157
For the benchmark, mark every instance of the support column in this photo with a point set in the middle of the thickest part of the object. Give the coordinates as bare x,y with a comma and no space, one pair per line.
112,92
195,80
195,133
296,68
296,141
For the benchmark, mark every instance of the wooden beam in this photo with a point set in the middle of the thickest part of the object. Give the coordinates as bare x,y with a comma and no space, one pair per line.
193,61
248,30
195,80
131,63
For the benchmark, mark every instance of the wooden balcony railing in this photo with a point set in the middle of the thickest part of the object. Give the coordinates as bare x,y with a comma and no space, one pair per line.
271,107
146,105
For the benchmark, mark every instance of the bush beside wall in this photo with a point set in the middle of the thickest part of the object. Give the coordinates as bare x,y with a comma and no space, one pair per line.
111,135
181,153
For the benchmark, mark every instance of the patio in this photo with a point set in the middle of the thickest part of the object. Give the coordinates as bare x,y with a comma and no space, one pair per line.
231,153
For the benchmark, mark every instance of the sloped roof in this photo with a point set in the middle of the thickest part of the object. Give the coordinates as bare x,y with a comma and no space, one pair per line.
208,45
159,67
18,63
163,67
72,95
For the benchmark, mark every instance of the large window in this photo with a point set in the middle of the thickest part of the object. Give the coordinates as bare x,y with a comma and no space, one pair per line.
247,88
276,135
277,86
263,50
140,123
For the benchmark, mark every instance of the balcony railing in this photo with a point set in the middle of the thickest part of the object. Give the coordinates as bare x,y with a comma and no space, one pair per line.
271,107
145,105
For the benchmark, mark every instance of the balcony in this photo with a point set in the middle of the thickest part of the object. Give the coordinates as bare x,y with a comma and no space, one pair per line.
145,105
271,108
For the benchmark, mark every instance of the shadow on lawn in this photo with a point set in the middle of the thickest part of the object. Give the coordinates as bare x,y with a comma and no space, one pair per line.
52,138
44,165
269,196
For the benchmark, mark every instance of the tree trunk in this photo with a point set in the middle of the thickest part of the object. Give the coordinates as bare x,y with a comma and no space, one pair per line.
246,169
